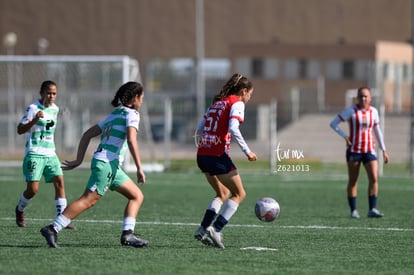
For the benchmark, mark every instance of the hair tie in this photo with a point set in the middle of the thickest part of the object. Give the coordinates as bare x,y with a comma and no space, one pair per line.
238,79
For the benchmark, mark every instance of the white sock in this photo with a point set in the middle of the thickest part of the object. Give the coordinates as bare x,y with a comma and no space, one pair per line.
128,224
229,208
60,223
215,205
23,203
61,204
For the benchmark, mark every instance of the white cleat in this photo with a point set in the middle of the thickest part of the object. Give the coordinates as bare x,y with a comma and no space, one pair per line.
355,214
215,236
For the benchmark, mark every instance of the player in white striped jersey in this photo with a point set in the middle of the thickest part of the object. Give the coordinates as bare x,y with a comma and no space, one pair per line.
362,119
39,122
118,131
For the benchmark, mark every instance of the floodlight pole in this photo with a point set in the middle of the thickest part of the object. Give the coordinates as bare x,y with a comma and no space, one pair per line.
273,135
200,78
9,42
412,93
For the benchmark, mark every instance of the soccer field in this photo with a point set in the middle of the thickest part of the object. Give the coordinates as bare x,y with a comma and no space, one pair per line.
313,234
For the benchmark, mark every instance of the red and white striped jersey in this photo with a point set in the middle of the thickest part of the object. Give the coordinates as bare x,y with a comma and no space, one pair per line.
361,122
215,136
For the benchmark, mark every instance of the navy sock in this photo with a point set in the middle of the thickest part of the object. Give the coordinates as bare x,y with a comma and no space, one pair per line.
372,201
208,219
220,223
352,203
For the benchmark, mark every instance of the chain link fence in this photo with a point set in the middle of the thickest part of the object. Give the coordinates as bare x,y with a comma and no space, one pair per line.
86,86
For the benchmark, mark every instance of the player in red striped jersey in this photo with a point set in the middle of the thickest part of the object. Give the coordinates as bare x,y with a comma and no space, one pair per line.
213,135
363,119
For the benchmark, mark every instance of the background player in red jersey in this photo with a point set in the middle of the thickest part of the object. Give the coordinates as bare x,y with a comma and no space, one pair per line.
214,132
362,119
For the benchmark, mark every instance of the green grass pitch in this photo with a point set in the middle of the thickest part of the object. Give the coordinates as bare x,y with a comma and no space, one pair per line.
313,234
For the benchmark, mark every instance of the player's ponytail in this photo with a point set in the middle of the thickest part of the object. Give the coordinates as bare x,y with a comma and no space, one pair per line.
233,86
115,101
126,92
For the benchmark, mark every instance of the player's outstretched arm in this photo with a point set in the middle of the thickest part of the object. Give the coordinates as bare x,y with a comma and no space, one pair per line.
83,145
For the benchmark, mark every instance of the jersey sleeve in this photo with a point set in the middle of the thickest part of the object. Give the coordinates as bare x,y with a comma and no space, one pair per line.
200,124
29,114
343,116
237,111
379,136
377,129
335,126
346,114
236,134
132,120
101,124
375,116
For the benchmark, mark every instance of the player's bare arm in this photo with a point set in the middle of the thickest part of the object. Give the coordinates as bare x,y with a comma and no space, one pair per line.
23,128
134,149
83,145
385,157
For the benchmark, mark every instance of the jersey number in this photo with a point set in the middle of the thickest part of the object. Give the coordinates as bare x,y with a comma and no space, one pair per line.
212,120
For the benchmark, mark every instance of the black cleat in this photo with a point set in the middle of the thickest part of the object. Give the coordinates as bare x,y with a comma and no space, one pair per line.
128,238
375,213
202,235
50,235
20,218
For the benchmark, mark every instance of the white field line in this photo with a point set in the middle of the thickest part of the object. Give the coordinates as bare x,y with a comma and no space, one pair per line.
307,227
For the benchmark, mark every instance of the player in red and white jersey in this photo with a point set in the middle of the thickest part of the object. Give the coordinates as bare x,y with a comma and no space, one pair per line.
362,119
213,136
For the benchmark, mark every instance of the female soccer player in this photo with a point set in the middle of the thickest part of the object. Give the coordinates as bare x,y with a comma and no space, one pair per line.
118,131
39,122
362,119
214,132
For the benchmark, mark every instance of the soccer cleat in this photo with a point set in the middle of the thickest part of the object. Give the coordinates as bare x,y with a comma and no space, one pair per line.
20,218
50,235
70,226
215,236
129,238
202,235
375,213
354,214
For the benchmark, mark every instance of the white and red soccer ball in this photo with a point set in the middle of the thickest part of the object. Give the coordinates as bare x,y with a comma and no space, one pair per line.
267,209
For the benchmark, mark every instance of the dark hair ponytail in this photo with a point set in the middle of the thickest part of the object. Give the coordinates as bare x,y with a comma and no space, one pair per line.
233,86
126,92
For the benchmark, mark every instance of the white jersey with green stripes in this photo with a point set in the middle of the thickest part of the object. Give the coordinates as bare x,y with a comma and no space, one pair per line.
40,138
113,140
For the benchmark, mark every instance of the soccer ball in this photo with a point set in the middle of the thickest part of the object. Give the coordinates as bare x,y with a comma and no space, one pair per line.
267,209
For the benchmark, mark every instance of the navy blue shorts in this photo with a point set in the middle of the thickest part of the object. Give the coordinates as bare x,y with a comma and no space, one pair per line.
215,165
360,157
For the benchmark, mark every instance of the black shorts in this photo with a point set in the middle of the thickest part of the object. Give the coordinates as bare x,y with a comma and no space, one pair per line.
216,165
360,157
